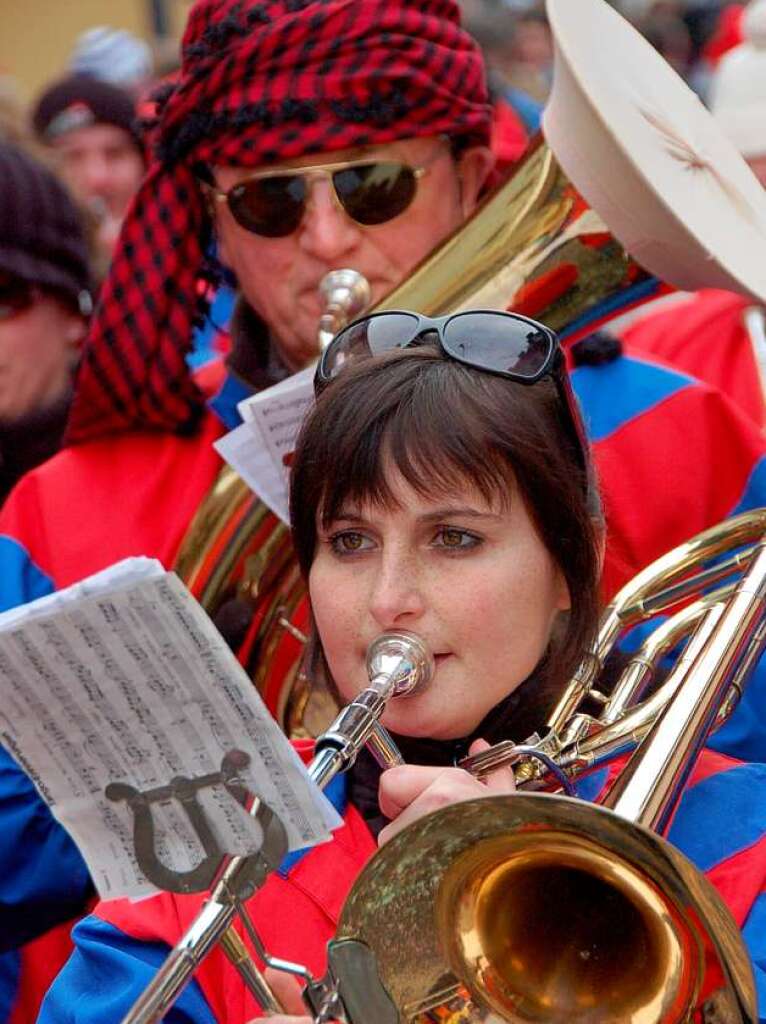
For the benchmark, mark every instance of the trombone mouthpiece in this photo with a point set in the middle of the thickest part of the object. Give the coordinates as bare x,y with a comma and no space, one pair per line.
403,658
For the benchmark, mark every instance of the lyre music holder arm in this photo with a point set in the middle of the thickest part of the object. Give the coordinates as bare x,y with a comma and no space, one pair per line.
398,662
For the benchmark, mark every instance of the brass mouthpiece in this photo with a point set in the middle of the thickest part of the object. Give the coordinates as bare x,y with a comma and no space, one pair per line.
346,294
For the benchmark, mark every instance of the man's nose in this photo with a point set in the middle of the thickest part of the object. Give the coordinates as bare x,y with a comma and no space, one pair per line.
326,230
95,174
398,593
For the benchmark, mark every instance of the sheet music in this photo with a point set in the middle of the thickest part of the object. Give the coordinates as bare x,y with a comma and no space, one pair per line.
280,411
124,678
246,451
271,422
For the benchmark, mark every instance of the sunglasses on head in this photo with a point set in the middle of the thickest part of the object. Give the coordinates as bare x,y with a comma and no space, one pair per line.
16,296
505,344
272,203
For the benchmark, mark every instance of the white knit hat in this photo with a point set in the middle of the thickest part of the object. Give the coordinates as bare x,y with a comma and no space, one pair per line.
112,55
738,92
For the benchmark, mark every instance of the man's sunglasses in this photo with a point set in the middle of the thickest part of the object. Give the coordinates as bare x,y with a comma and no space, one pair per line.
16,296
272,203
506,344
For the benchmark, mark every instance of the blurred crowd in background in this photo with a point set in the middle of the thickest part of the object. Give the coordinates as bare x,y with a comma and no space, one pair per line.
72,157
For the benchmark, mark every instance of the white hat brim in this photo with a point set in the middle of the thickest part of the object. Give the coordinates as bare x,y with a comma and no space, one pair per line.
649,158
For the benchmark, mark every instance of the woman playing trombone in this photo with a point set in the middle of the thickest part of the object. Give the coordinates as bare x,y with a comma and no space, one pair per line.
441,485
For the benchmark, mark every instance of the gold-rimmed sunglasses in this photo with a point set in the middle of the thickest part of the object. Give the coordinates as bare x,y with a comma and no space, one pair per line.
272,203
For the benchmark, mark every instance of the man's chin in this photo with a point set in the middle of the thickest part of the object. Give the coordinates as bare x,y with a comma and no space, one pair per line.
300,349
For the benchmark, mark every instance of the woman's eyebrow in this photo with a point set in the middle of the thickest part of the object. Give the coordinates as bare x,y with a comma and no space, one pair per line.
461,512
346,516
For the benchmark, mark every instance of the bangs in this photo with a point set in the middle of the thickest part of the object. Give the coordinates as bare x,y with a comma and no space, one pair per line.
433,438
439,424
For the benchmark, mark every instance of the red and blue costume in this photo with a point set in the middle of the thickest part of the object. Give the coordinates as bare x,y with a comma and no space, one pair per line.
120,947
673,457
706,336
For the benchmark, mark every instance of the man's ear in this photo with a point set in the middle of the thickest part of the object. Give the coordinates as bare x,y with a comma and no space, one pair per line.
474,166
215,212
219,235
75,331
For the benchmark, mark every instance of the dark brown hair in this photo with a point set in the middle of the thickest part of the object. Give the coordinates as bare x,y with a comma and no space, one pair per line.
437,420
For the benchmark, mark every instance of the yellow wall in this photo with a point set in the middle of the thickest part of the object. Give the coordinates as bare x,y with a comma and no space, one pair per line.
37,36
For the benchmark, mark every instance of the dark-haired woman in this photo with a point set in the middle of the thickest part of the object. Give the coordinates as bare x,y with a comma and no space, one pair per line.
441,485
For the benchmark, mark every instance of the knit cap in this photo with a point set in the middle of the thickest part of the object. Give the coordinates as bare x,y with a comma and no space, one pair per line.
112,55
41,235
80,100
738,93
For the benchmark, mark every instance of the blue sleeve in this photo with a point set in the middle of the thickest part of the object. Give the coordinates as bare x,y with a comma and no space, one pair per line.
43,878
744,735
21,580
105,975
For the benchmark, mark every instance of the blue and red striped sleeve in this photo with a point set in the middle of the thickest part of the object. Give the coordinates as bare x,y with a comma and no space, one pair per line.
674,457
720,825
106,974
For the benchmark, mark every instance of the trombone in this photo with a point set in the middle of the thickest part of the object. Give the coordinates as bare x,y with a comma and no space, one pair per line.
489,867
547,909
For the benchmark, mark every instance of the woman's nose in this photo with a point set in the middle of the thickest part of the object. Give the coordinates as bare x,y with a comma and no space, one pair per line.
326,231
397,596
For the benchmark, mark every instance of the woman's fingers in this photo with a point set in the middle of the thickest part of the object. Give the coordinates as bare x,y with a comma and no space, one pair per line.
402,785
287,990
408,792
502,780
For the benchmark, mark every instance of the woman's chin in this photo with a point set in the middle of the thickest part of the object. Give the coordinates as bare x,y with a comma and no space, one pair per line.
426,726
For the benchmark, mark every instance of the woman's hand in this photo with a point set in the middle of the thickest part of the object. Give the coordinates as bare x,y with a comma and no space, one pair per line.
287,989
408,791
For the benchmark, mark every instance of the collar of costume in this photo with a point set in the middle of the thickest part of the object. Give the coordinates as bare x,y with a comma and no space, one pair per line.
501,723
253,364
259,83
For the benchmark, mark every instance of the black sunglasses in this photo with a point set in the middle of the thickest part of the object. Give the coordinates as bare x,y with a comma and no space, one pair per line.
272,203
506,344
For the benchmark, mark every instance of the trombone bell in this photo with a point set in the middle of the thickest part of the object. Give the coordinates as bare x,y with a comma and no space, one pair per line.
542,908
618,957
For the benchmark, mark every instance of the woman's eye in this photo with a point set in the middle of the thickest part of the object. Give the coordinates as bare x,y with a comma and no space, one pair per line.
455,540
349,542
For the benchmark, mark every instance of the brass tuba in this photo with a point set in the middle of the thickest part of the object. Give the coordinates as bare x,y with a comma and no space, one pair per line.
534,246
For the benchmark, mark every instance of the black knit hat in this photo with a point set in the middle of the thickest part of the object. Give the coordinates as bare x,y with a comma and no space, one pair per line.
79,100
41,234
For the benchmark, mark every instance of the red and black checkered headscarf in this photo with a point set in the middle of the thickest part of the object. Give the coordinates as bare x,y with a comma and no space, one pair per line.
260,82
